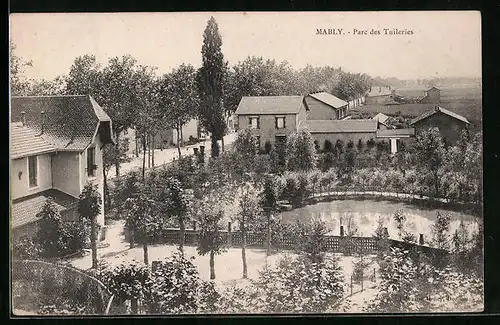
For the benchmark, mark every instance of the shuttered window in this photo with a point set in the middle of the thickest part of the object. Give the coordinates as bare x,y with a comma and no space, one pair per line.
33,170
91,166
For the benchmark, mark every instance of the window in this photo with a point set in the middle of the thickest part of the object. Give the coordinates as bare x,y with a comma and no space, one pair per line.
339,114
280,122
254,123
91,166
33,170
280,139
257,141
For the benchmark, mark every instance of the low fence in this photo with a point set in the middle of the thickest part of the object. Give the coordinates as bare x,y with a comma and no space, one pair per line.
334,244
37,283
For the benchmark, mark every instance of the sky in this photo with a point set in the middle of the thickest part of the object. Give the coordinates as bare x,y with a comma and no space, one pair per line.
443,44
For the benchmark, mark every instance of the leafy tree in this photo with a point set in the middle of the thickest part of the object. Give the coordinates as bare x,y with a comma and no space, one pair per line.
111,156
210,82
430,155
269,204
174,287
299,286
18,83
175,203
127,282
89,207
249,211
142,218
209,214
246,148
179,98
301,154
49,230
440,231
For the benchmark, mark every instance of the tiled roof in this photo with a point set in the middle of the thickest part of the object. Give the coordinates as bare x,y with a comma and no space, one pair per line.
24,210
329,99
436,110
379,91
342,126
395,132
25,141
269,105
69,121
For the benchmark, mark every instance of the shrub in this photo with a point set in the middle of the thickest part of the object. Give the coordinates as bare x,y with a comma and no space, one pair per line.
370,143
267,147
26,248
299,286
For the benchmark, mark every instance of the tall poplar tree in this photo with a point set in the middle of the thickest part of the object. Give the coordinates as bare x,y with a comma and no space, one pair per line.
210,82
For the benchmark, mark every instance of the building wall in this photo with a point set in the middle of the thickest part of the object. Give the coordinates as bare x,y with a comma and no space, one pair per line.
319,110
65,172
449,127
20,180
267,123
433,97
345,137
98,178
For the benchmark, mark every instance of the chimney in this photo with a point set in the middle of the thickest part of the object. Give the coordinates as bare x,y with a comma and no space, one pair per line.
42,119
23,117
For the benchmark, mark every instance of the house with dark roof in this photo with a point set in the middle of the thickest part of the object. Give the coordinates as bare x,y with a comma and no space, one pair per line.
56,145
271,118
343,130
325,106
431,96
450,124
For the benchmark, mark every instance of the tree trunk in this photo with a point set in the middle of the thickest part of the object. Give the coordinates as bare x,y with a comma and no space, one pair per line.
215,146
182,234
178,141
182,137
117,145
268,233
145,253
131,238
134,305
153,150
212,265
243,248
149,150
222,143
93,242
107,197
136,145
143,157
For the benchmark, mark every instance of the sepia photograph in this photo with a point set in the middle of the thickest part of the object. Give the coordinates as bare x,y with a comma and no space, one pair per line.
225,163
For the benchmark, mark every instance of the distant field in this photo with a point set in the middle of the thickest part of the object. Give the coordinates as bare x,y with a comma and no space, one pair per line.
464,101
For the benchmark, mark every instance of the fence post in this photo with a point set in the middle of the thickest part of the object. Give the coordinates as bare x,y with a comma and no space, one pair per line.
351,284
229,237
421,239
341,231
374,275
362,278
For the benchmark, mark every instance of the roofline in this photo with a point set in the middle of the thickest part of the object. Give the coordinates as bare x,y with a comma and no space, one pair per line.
346,102
279,113
28,154
343,131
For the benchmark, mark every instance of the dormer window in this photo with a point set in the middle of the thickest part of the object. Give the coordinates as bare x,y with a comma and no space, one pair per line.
254,122
280,122
91,166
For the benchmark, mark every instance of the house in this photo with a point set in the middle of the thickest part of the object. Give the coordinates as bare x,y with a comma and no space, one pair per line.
381,118
432,96
450,124
271,118
325,106
56,147
168,137
381,95
343,130
396,137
